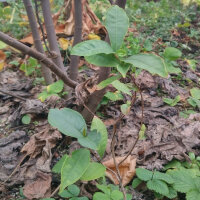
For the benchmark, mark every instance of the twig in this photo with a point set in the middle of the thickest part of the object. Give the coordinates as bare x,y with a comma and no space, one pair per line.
55,191
13,95
41,27
39,56
142,119
16,168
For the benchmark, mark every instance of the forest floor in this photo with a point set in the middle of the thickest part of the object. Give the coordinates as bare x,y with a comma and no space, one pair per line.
172,129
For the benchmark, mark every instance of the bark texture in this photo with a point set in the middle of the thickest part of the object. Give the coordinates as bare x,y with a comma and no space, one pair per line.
37,40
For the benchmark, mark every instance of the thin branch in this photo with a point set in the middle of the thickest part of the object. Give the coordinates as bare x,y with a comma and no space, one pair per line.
77,38
40,57
12,95
41,27
37,41
51,34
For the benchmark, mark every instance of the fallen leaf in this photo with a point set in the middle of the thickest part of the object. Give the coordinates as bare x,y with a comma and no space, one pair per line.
64,43
40,188
2,60
127,169
93,37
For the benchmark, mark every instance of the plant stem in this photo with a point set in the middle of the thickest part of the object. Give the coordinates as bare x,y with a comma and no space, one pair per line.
51,34
77,38
37,40
40,57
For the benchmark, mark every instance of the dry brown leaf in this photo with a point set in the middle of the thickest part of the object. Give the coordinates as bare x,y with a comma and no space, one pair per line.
2,59
127,169
45,139
40,188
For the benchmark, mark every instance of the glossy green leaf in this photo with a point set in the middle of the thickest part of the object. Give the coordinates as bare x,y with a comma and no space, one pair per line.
98,125
152,63
103,60
67,121
74,167
116,24
58,166
172,53
91,47
94,171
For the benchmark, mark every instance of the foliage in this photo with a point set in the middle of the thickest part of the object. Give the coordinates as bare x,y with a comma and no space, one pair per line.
30,66
109,192
101,54
179,177
52,89
172,102
26,119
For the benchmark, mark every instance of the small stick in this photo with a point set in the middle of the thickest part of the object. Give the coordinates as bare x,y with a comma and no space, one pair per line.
13,95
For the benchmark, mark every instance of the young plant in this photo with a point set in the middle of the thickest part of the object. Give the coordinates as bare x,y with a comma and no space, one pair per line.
53,89
194,99
109,192
172,102
78,166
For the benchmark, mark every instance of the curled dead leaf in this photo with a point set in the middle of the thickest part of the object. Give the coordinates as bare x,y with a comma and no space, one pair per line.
127,169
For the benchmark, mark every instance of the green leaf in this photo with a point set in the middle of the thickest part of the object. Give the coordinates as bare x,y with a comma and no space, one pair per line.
91,47
183,181
136,182
194,102
172,53
123,69
65,194
149,62
163,176
79,198
144,174
100,196
171,69
116,24
142,132
73,189
92,140
195,92
114,96
172,102
95,170
104,188
44,95
98,125
116,195
174,164
26,119
103,60
193,195
55,87
58,166
125,108
172,193
74,167
2,45
107,82
121,87
67,121
158,186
